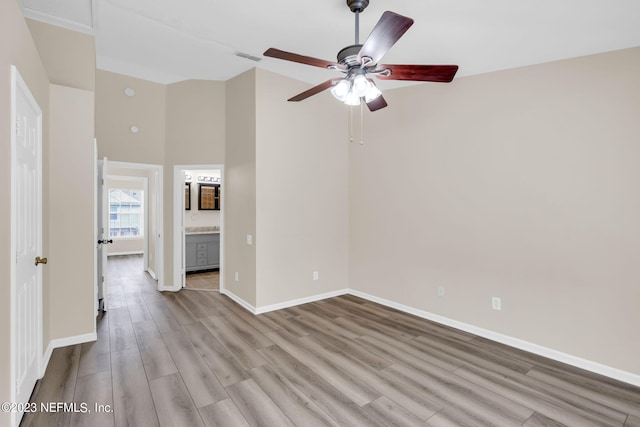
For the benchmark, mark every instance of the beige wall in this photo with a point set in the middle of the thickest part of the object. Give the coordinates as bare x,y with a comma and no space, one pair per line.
116,113
301,192
127,246
71,219
17,48
520,184
240,186
68,56
195,122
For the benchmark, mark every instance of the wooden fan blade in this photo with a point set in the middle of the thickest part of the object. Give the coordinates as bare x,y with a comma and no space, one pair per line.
294,57
314,90
377,104
385,34
422,73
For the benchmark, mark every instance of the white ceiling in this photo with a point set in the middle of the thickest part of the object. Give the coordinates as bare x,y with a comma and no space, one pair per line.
167,41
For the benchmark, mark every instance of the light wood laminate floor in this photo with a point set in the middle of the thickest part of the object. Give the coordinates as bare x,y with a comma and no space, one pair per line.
198,359
203,281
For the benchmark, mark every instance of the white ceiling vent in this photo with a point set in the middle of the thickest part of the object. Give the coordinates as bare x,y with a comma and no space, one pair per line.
247,56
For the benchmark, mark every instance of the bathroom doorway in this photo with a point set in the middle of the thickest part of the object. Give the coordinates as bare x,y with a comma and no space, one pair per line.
198,227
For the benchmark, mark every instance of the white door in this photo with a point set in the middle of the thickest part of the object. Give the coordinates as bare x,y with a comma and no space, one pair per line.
102,232
26,241
183,241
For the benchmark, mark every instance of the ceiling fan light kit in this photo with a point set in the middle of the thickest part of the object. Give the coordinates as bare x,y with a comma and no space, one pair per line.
359,61
352,89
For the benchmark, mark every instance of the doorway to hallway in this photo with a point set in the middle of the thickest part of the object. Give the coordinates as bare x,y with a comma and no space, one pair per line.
130,217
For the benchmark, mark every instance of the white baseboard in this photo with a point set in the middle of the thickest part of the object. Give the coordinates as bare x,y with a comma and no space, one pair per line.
281,305
169,288
152,274
299,301
539,350
125,253
63,342
236,298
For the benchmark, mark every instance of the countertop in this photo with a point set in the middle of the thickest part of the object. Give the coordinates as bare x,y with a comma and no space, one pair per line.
202,230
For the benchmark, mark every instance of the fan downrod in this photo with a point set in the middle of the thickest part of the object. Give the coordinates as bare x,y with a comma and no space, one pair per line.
357,6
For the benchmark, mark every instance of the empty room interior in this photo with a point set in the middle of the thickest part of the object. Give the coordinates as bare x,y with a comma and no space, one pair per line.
231,231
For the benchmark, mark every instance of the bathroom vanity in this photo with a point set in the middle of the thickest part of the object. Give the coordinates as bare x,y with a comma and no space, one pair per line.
202,248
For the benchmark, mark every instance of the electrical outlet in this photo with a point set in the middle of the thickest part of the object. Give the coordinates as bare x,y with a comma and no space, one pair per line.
496,303
237,277
440,291
316,275
249,239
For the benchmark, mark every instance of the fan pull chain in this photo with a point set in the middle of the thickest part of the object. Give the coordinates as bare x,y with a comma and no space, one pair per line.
361,124
350,124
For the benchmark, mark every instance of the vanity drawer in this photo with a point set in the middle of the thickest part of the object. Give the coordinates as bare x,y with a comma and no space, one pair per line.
202,246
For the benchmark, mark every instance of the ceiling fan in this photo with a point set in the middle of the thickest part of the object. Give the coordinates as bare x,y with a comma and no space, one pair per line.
360,61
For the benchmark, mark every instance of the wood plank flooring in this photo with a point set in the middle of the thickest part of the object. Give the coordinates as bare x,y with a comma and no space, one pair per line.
198,359
203,281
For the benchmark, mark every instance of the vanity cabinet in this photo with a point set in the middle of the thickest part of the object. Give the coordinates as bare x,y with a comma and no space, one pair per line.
202,251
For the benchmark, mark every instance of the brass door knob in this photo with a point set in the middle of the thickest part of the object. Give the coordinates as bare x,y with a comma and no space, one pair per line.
40,260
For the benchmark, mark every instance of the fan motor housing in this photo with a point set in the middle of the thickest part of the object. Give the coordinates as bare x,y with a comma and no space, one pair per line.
349,55
357,5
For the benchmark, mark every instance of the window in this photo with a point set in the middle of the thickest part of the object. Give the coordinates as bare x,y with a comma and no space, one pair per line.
125,213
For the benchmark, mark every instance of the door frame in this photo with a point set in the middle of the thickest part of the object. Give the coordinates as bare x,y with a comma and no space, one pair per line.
178,223
159,206
97,177
18,83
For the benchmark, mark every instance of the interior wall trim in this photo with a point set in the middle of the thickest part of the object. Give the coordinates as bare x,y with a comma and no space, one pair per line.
126,253
281,305
299,301
249,307
47,18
